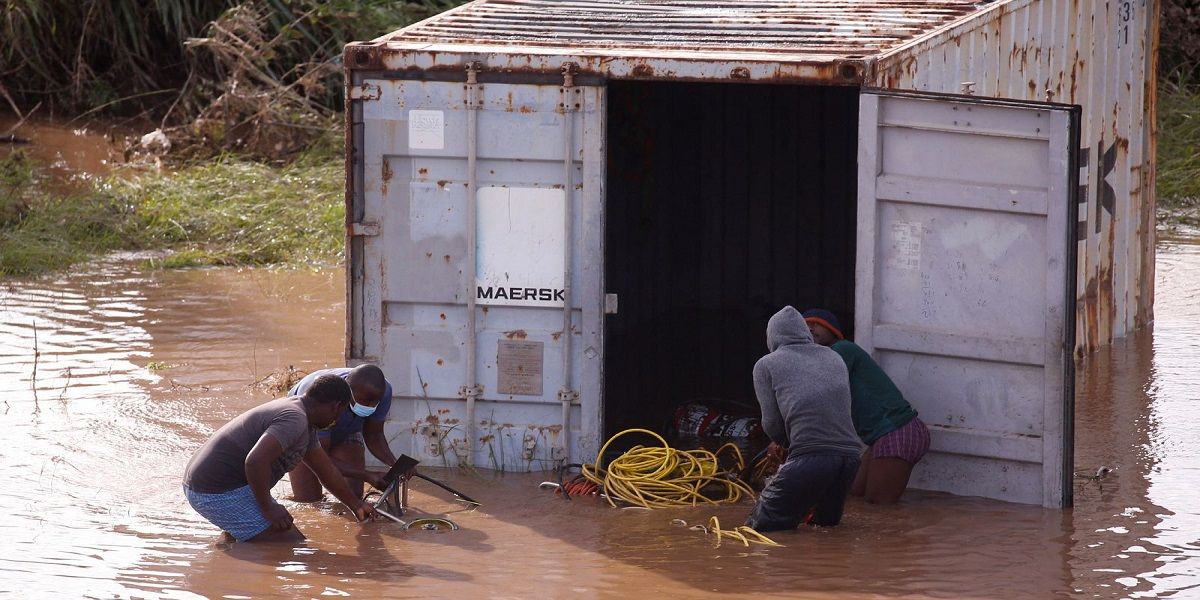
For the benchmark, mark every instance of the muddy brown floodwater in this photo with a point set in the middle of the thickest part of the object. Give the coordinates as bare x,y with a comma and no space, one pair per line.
67,151
135,369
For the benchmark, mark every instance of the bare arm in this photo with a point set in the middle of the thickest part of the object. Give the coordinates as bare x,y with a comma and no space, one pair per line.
258,475
332,479
350,471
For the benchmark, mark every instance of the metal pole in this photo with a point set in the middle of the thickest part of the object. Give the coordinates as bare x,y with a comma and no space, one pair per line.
471,390
569,104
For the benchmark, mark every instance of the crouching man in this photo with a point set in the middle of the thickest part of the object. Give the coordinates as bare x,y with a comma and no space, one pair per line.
229,479
803,390
360,426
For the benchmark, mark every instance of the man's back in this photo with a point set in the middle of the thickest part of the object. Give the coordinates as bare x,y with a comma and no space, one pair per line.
219,465
804,391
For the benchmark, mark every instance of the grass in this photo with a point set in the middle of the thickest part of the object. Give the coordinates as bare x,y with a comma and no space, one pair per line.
227,212
1178,145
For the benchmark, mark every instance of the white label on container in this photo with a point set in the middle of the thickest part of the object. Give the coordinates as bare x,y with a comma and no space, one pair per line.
520,246
905,251
426,130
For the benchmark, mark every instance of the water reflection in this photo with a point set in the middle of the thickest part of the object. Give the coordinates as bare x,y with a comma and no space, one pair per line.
135,369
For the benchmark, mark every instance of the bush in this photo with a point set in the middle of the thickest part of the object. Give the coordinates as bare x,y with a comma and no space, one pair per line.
1179,48
130,55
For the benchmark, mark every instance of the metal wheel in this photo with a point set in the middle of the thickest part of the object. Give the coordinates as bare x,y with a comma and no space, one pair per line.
432,524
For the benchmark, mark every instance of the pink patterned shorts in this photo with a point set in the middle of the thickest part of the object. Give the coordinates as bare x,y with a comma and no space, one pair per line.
910,443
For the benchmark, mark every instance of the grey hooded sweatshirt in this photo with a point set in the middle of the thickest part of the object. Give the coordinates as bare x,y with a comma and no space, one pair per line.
804,391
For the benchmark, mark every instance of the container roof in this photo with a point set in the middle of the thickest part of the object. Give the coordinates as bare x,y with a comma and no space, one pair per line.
841,28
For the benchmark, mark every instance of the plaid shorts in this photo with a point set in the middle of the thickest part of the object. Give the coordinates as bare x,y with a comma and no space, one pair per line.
909,442
234,511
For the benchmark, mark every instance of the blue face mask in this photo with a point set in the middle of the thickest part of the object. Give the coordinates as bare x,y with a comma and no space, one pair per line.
362,410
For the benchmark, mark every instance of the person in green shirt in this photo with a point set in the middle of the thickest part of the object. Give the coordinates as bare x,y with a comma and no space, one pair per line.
896,439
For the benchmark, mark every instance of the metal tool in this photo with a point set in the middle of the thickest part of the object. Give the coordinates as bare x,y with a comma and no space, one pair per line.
395,488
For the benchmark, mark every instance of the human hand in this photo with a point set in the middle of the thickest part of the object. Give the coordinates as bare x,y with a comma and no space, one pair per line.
777,452
279,517
365,512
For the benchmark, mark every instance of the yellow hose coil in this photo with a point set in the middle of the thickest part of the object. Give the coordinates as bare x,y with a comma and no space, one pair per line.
743,533
663,477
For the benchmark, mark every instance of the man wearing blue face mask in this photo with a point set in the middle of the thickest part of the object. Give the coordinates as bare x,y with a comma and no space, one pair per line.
356,430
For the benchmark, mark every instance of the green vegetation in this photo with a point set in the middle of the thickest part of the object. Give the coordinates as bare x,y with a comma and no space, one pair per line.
227,212
127,56
1178,145
1178,180
247,91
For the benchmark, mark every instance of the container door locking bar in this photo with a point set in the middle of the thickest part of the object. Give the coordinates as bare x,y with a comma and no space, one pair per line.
473,99
570,101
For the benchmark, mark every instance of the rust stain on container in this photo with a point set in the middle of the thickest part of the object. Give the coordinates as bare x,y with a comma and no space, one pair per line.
385,176
642,71
516,334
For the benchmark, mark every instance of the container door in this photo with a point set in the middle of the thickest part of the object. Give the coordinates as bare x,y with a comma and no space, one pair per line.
965,284
479,203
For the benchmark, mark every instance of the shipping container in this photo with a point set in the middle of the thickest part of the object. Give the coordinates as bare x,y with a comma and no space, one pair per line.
567,218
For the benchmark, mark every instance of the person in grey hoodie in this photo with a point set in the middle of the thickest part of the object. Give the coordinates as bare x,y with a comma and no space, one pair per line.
804,393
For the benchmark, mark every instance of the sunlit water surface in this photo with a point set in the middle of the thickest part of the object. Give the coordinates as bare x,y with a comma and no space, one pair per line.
135,369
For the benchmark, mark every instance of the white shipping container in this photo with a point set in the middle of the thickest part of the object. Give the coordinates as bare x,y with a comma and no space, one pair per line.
567,218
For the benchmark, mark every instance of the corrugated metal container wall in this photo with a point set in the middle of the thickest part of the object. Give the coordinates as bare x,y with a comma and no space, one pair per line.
1101,56
516,166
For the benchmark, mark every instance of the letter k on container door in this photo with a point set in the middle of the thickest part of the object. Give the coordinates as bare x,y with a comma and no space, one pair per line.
430,247
966,283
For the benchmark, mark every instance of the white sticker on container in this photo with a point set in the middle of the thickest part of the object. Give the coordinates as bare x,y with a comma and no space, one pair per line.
905,251
426,130
520,246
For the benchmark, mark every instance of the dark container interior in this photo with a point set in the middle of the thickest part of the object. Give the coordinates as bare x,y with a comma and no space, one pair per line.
724,203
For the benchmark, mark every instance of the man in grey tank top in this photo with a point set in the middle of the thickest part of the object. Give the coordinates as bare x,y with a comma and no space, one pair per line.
229,479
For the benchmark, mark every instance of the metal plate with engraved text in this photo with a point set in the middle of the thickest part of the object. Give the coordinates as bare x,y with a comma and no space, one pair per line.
520,367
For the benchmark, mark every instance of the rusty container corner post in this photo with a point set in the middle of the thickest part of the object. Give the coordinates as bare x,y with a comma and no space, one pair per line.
489,202
1101,57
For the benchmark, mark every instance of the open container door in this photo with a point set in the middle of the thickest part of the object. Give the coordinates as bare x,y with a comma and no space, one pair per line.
965,283
475,244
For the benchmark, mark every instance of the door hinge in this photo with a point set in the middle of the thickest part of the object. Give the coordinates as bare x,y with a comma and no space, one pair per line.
367,229
473,97
569,97
366,92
